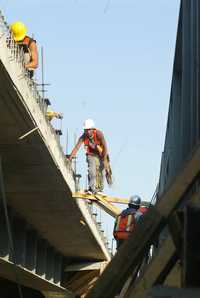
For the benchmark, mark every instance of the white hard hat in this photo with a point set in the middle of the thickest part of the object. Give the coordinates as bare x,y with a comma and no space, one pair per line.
88,124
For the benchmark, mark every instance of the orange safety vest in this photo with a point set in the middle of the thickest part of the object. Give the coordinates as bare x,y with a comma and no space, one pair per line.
95,141
143,209
25,45
26,42
124,225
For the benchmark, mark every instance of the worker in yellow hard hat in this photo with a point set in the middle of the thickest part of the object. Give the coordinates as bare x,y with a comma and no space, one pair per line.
51,114
28,44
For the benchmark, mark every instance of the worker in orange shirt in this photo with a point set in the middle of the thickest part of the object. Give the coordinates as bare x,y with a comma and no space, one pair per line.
96,155
126,221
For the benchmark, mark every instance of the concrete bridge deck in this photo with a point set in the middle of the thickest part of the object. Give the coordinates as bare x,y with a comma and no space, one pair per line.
38,180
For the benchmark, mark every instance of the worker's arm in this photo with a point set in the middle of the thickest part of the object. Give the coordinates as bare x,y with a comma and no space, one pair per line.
76,148
102,140
34,56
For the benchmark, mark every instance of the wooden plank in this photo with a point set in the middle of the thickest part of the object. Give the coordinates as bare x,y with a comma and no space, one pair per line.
101,201
83,195
176,229
173,279
107,207
81,281
165,292
128,255
88,285
109,199
156,271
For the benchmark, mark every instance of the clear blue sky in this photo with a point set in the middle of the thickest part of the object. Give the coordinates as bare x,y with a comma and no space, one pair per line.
111,61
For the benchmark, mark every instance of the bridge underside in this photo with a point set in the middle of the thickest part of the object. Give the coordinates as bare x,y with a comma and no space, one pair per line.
34,186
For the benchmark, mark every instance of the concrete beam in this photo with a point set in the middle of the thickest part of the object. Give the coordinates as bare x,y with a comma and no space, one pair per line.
81,282
30,251
27,278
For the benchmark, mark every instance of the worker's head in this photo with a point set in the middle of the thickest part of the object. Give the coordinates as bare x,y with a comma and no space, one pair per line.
134,202
18,30
88,126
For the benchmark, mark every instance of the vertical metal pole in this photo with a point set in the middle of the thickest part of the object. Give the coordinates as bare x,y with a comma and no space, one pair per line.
75,158
112,246
67,142
75,166
42,63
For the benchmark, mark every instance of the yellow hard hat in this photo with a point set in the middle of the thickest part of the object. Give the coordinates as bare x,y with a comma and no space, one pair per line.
18,30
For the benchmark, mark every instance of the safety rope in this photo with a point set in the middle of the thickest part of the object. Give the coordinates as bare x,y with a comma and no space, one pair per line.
8,226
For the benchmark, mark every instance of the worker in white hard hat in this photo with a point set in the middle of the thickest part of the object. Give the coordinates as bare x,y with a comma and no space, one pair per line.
28,44
96,154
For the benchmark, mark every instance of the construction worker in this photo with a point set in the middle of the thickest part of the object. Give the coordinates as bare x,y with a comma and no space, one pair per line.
28,44
127,220
96,155
51,115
